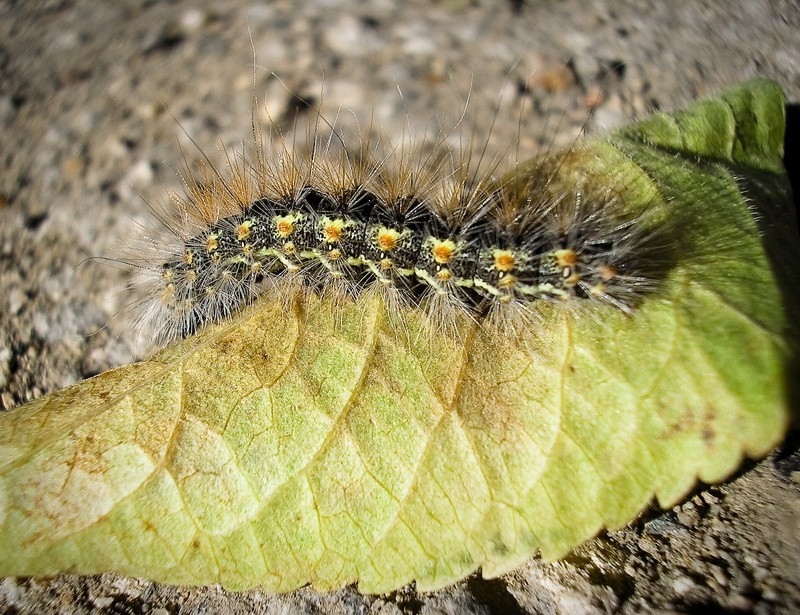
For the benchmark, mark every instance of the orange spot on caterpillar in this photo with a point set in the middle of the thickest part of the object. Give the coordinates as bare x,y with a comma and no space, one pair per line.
504,260
333,231
387,239
443,251
285,226
243,231
607,272
566,258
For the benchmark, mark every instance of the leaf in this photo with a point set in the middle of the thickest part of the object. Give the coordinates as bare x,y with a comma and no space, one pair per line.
328,443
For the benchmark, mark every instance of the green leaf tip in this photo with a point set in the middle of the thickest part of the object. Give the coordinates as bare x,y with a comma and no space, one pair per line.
328,442
745,125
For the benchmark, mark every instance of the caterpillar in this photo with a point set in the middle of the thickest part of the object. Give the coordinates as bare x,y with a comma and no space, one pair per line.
434,233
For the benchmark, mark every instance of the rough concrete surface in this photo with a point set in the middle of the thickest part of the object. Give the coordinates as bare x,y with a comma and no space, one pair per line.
98,100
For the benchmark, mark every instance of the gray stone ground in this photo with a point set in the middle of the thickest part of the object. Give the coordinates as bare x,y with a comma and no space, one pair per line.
97,99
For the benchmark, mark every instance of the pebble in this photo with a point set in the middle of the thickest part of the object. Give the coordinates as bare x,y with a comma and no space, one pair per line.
103,602
192,20
16,299
683,586
136,179
348,36
7,111
5,371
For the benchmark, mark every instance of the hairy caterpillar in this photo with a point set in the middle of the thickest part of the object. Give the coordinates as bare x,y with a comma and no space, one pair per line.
429,230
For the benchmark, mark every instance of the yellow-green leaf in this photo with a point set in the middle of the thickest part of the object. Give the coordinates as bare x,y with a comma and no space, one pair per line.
331,442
